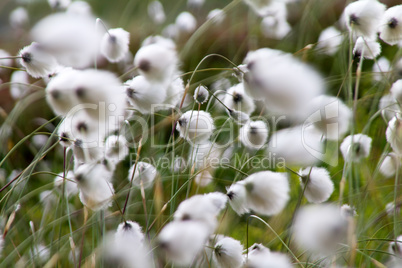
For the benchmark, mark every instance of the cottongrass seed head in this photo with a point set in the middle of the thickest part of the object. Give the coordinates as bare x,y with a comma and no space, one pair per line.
114,44
317,184
355,147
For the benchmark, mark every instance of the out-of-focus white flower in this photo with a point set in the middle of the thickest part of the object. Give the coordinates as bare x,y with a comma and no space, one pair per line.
144,172
59,4
275,27
284,82
254,135
144,95
79,8
388,106
306,145
329,41
329,115
19,18
347,211
70,186
319,184
195,3
239,117
319,229
183,241
389,165
390,209
238,100
37,61
394,134
217,16
203,178
228,253
261,257
355,147
156,62
366,48
390,27
5,62
114,45
381,69
126,247
156,12
72,39
116,147
395,249
93,181
363,17
202,208
195,126
19,84
201,94
396,91
237,195
186,22
41,253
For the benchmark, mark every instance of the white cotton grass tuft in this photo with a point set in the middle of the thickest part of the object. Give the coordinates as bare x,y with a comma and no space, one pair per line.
391,210
266,193
79,8
355,147
37,62
389,165
114,44
59,4
70,186
306,143
156,12
71,37
363,17
237,195
274,24
183,241
93,181
203,178
236,99
396,91
329,115
347,211
201,94
227,253
144,95
317,184
395,250
129,230
261,257
389,106
19,84
217,16
285,83
202,208
116,148
254,135
319,229
186,23
239,117
394,134
156,62
366,48
18,18
144,172
195,126
381,69
329,41
391,25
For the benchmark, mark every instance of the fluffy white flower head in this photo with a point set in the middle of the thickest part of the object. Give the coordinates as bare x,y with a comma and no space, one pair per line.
144,172
195,126
114,44
319,184
356,147
238,100
37,61
254,135
366,48
391,25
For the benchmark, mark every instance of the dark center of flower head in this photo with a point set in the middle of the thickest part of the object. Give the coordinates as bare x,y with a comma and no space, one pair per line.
353,19
80,92
237,97
182,122
26,57
256,247
64,137
78,143
130,92
304,178
357,148
218,250
253,130
82,127
55,94
79,177
112,39
144,65
357,55
393,23
127,226
231,195
250,65
185,217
